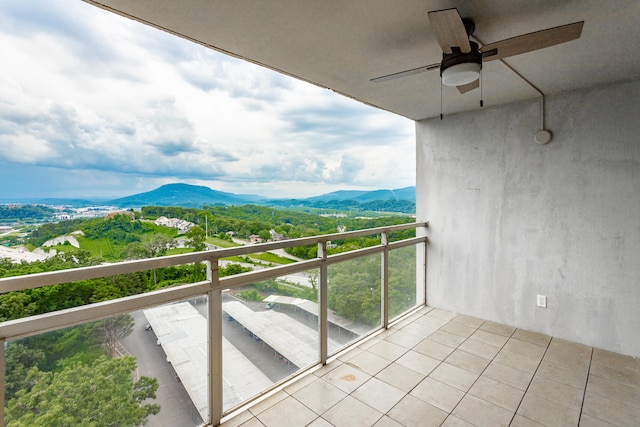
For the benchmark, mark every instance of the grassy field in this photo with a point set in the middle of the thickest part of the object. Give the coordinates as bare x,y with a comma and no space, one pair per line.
221,242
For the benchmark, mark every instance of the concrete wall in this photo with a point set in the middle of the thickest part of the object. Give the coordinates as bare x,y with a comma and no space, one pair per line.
510,219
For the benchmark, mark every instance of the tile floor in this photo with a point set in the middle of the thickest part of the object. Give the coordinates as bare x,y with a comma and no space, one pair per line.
436,368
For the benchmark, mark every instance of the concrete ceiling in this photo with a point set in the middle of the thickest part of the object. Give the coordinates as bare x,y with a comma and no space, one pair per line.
342,44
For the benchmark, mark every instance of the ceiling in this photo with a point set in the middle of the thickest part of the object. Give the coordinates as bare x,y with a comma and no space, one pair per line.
341,45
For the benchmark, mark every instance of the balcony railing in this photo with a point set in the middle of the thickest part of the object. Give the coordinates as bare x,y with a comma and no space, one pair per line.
246,347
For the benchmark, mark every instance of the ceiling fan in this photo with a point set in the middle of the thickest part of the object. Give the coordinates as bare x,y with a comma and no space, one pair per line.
462,58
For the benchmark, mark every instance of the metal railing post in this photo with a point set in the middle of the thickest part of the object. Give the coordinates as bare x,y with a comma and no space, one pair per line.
2,379
384,280
323,298
214,312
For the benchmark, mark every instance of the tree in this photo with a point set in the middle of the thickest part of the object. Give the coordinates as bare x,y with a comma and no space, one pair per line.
18,360
112,329
96,394
196,237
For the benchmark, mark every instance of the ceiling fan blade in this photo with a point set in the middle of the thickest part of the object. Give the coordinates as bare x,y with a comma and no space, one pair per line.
449,30
532,41
405,73
469,86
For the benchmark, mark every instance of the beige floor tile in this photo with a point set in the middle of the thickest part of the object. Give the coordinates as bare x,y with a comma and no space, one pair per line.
497,393
319,422
413,412
518,361
253,422
473,322
345,357
562,394
610,411
454,376
269,402
388,350
420,331
346,377
508,375
378,394
334,364
482,413
447,338
367,344
624,393
616,360
468,361
458,329
404,339
433,349
453,421
441,314
520,421
548,413
489,338
419,362
438,394
479,348
589,421
570,347
562,375
573,361
300,382
287,413
351,412
319,396
369,362
615,373
238,419
387,422
532,337
400,377
498,328
431,322
525,348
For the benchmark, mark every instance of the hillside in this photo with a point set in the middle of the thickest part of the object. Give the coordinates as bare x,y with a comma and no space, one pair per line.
184,195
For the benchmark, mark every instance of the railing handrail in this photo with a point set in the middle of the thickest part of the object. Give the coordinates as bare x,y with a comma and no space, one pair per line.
37,280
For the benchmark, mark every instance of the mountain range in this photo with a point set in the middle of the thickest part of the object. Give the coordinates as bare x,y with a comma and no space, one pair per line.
186,195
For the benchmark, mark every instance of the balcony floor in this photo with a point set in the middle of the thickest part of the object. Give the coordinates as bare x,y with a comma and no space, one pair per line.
437,368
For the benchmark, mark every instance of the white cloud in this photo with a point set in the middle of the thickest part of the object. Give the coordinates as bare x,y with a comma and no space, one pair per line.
85,90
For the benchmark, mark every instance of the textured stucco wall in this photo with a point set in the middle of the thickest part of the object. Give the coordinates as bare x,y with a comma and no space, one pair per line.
510,219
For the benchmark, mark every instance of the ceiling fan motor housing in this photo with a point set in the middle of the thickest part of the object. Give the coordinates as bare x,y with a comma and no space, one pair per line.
469,66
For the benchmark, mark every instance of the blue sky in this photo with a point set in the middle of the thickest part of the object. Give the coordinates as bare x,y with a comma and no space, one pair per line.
96,105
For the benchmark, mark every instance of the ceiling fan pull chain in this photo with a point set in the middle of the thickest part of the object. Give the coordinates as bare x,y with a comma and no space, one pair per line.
481,95
441,116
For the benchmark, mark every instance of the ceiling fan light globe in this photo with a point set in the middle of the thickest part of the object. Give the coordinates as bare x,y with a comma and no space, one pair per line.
461,74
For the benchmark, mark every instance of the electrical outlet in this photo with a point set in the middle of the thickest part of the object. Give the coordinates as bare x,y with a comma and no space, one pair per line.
542,301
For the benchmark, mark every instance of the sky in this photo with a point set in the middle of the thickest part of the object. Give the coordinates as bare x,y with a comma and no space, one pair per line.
96,105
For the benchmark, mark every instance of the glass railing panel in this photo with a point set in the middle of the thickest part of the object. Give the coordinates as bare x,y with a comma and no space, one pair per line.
354,298
118,371
270,332
402,280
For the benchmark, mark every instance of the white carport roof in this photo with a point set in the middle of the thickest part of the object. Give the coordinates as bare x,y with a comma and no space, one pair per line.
292,339
312,308
182,332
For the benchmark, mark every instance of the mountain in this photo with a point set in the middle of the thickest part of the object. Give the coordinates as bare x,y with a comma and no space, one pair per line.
184,195
196,196
407,193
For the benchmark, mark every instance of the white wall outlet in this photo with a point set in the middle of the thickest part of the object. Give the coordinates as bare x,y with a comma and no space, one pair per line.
542,301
